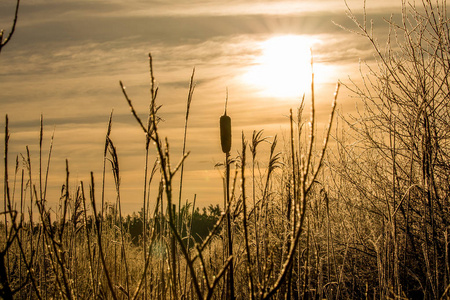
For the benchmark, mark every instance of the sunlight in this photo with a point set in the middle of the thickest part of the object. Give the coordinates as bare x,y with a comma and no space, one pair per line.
284,67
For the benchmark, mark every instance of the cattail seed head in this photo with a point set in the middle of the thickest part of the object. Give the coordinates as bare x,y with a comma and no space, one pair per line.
225,133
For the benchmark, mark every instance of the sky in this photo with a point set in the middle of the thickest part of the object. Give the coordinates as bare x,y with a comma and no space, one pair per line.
67,57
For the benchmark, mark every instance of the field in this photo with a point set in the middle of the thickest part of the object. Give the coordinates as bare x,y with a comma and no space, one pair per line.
360,212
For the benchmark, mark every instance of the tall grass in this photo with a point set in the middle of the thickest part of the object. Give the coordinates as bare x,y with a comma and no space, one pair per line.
367,218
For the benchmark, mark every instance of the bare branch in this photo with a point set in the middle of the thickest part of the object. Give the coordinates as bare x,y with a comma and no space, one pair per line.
3,42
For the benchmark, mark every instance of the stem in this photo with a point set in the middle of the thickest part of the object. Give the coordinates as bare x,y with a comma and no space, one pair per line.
230,240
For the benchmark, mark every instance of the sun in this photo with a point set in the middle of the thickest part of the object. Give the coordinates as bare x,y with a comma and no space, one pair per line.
284,67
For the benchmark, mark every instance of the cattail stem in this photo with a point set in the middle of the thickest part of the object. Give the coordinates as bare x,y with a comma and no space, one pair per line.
225,140
229,236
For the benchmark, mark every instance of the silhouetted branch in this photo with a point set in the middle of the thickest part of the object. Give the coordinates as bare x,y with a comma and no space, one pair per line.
3,42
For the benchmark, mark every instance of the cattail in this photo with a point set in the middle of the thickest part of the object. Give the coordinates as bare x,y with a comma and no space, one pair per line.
225,130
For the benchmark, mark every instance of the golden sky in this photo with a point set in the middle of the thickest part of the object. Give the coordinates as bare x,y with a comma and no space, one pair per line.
67,57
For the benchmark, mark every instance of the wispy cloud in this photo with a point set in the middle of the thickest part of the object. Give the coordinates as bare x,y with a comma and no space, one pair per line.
67,58
68,9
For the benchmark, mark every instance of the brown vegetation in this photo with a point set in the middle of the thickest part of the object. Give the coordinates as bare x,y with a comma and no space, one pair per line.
367,218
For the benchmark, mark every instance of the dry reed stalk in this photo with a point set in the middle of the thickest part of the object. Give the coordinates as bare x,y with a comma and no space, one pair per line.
99,239
116,172
103,204
47,171
41,198
173,264
144,213
41,136
105,151
188,242
6,291
188,105
274,162
147,143
290,223
294,166
256,140
90,256
6,192
245,224
305,287
30,184
21,223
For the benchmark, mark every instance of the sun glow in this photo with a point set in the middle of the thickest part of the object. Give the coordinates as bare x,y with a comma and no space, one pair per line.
284,67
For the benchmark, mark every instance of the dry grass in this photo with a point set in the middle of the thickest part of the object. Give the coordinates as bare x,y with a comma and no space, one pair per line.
365,219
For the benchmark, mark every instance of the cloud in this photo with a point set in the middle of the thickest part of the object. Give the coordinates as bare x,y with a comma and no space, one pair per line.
67,58
68,9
